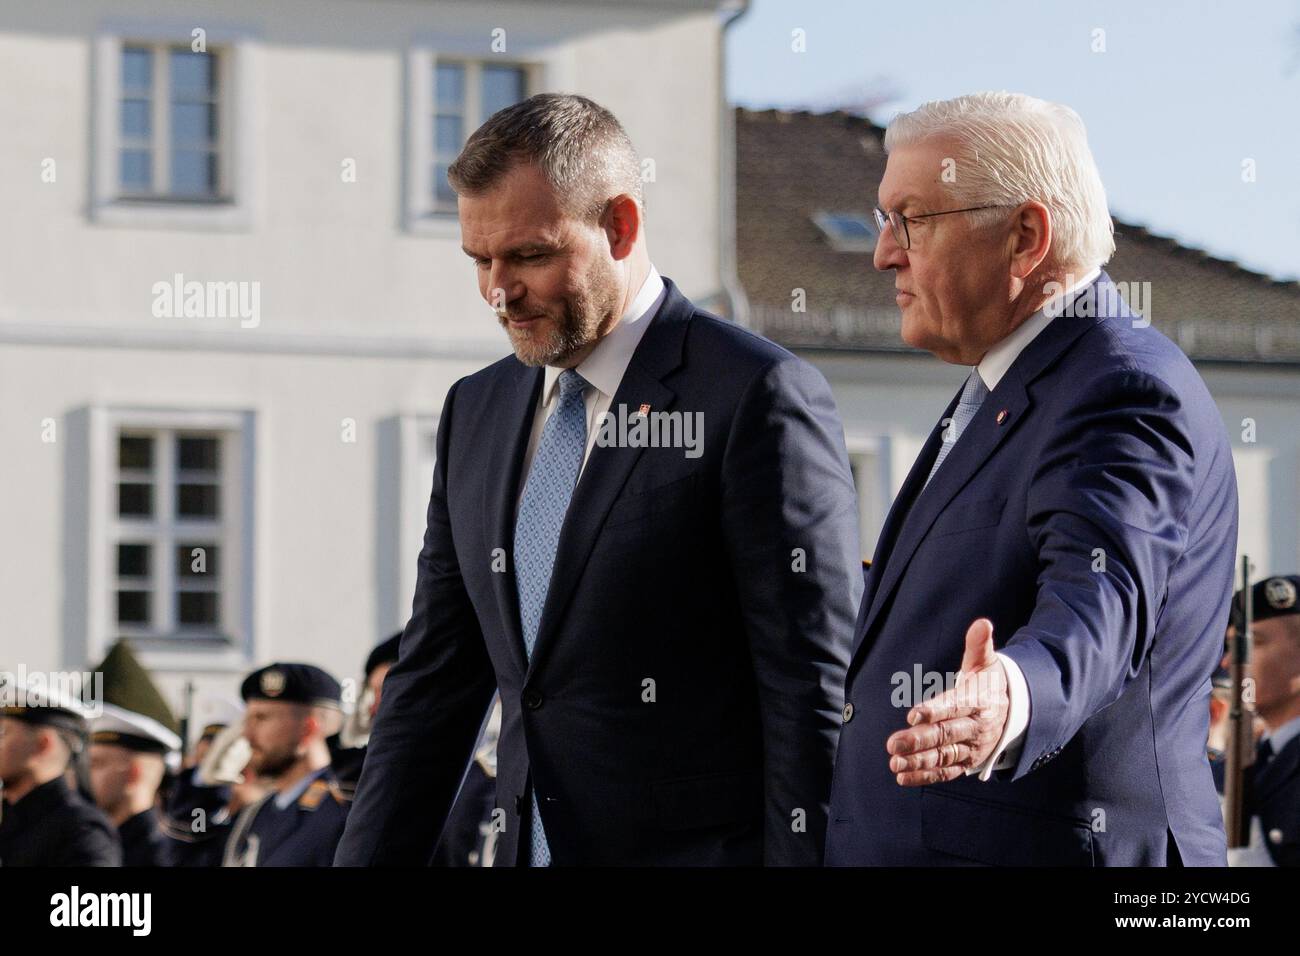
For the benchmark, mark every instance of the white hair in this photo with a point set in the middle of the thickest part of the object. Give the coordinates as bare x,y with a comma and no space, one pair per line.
1013,148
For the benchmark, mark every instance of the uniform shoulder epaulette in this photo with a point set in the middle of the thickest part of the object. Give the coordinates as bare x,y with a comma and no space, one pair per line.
315,794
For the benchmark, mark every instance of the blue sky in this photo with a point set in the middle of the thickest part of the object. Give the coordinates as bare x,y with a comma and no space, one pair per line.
1184,92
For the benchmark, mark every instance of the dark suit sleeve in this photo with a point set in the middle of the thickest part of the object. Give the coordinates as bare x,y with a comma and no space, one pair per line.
434,701
1114,484
790,519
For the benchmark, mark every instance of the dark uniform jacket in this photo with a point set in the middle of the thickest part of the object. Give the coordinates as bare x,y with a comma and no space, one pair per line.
195,839
54,826
1272,793
143,841
306,833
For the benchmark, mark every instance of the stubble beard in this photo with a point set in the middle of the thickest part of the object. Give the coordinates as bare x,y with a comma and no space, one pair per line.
574,328
273,763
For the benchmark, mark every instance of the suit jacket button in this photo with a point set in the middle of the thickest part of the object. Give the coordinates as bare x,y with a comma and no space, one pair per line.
848,711
532,699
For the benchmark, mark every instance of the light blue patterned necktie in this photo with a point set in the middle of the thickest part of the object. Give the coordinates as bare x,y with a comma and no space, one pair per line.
551,480
972,397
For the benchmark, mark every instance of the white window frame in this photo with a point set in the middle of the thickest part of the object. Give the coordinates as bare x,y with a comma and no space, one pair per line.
235,542
239,182
423,214
160,144
417,455
874,501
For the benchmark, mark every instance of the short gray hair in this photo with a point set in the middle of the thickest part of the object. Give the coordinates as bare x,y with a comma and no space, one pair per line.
579,146
1015,148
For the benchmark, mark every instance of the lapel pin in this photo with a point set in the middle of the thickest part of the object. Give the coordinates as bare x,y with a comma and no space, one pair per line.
645,410
1002,416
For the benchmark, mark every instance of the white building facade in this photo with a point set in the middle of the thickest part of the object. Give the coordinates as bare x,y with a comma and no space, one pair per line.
232,299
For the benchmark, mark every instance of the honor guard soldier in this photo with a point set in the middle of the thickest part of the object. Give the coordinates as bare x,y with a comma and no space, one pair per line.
291,710
1272,784
133,743
42,821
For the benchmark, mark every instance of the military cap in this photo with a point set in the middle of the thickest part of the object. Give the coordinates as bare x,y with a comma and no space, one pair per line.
135,715
1271,597
292,683
40,702
384,653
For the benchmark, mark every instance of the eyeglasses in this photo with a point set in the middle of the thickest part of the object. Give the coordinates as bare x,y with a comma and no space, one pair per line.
898,222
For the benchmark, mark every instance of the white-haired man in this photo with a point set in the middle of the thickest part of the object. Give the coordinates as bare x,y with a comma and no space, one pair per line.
1062,550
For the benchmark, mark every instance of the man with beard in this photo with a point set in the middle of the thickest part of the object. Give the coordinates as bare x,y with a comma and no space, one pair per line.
292,709
668,621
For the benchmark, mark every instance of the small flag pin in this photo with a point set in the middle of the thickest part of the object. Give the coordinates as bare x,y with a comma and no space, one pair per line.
1002,416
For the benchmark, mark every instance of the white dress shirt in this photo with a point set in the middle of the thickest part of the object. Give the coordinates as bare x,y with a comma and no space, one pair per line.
992,367
603,370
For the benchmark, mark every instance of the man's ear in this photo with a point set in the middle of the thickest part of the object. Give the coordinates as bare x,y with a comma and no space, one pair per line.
44,740
621,221
1030,238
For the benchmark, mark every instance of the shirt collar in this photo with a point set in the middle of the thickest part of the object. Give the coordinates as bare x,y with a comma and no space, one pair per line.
286,798
998,360
1284,735
604,367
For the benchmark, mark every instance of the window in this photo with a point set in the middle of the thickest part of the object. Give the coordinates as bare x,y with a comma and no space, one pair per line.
172,127
457,113
451,96
847,231
170,533
169,123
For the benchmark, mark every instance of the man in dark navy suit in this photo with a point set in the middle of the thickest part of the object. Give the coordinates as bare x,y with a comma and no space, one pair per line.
642,529
1060,557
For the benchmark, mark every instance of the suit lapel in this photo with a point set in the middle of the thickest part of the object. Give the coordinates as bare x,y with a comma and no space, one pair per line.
983,435
897,516
658,353
981,438
501,493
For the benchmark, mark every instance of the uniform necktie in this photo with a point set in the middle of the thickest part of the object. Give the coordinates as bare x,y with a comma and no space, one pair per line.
547,493
1263,753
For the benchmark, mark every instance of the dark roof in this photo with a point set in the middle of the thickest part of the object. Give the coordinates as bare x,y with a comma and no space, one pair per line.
792,166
